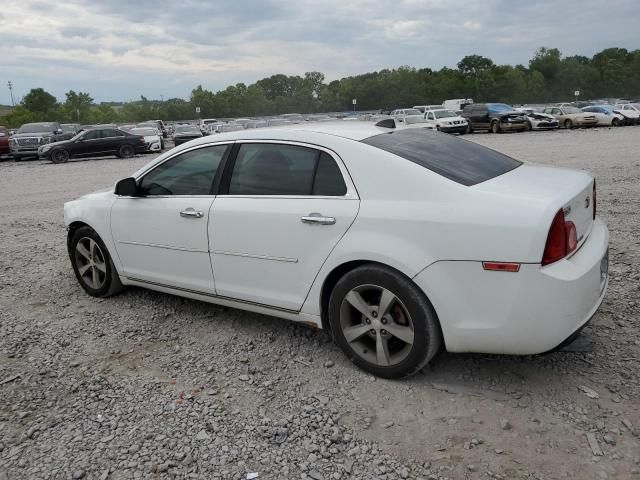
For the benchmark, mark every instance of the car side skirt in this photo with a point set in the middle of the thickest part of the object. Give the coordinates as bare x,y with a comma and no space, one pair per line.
313,321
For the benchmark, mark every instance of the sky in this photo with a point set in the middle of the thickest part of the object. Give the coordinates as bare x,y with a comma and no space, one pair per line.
118,50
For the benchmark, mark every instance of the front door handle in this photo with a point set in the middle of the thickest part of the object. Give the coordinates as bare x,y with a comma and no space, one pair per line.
318,218
191,213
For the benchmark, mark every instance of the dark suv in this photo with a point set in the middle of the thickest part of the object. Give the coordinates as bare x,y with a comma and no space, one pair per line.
30,136
494,117
96,142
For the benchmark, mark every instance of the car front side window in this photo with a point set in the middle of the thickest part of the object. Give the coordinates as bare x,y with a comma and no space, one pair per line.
190,173
91,135
280,169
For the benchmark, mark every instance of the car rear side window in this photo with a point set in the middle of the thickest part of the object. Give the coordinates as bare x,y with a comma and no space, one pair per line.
279,169
459,160
190,173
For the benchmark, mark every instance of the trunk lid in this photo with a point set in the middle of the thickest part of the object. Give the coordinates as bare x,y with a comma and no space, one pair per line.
543,190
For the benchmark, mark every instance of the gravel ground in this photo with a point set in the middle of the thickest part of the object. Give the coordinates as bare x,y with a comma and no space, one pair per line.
147,385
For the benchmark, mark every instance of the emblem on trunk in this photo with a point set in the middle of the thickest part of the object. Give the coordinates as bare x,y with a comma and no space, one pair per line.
586,202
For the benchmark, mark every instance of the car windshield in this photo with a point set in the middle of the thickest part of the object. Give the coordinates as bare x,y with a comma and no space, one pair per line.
462,161
36,128
412,111
69,128
499,107
206,122
444,114
571,110
144,131
187,129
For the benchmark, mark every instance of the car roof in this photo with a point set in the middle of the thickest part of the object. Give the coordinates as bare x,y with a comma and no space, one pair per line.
357,131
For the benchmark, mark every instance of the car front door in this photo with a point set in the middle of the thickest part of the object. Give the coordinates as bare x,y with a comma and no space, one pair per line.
161,235
89,144
281,209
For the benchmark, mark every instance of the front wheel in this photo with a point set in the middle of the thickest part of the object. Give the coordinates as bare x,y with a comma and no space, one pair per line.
126,151
383,322
495,127
615,122
568,124
60,156
469,128
92,264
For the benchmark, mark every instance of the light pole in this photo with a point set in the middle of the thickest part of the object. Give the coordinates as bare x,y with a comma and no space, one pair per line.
10,85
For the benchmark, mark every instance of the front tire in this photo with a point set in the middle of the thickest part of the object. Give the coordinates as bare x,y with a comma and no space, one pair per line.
92,264
383,322
568,124
495,127
126,151
615,122
59,156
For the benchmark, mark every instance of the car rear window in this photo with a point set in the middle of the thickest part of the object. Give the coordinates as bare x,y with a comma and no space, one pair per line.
459,160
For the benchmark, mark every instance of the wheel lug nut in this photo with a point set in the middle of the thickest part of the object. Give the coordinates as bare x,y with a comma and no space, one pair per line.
367,321
372,331
374,314
383,332
383,320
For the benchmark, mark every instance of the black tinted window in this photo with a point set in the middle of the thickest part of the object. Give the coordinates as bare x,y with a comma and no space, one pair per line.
459,160
328,180
110,132
91,135
191,173
272,169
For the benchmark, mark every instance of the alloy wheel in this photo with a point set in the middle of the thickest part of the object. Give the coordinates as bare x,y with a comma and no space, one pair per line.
376,325
91,264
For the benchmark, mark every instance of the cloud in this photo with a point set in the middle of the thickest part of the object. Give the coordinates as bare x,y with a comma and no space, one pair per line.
121,49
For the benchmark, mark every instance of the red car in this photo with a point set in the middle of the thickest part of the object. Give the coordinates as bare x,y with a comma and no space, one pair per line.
4,142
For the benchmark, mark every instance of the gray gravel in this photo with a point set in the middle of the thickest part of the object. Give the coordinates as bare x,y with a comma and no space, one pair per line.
147,385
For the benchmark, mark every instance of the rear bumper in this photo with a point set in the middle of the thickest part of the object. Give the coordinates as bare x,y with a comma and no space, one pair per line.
528,312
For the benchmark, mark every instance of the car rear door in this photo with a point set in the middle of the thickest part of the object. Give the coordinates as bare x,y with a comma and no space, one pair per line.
161,235
281,209
112,140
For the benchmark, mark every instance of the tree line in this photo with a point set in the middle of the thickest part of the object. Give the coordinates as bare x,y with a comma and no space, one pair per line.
549,77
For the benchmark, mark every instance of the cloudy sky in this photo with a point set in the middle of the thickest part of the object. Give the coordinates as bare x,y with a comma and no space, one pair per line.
121,49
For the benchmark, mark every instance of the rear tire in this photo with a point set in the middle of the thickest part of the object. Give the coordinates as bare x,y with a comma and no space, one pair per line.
126,151
92,264
495,127
400,332
469,128
568,124
59,156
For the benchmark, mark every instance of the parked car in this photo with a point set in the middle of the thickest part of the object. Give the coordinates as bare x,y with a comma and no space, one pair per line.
401,113
494,117
304,224
204,123
424,108
185,133
162,128
457,104
446,121
30,136
605,117
569,116
69,130
539,121
96,142
154,125
629,111
152,138
4,142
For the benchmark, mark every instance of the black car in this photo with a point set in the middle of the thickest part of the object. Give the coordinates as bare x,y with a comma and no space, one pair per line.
30,136
494,117
94,143
184,133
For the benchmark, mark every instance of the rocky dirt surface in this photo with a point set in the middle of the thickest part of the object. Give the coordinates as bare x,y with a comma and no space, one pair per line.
148,385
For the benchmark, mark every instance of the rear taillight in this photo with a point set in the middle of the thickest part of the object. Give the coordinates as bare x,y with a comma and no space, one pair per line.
594,198
561,241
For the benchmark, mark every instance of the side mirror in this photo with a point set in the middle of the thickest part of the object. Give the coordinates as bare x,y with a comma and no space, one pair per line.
58,131
127,188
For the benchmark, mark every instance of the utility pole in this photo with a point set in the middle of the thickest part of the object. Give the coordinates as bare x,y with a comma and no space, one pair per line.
162,98
10,85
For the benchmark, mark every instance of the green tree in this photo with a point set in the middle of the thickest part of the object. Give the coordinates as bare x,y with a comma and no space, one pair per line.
76,106
40,103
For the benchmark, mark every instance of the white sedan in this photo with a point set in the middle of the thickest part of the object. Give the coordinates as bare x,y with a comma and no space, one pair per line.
399,241
152,138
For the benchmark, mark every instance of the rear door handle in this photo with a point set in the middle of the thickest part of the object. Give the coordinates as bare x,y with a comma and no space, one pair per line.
191,213
318,218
